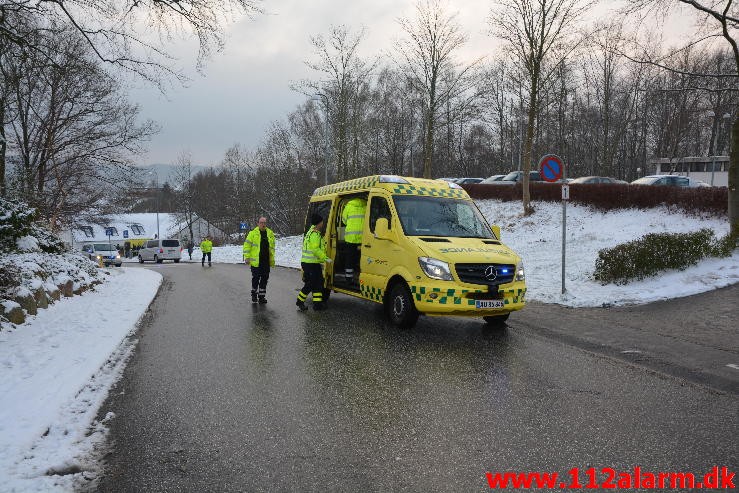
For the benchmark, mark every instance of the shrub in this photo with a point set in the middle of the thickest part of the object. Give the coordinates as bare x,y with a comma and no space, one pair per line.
712,200
18,222
656,252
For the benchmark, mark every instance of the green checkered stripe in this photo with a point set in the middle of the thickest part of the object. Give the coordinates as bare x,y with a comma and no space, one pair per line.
346,186
371,292
456,193
457,296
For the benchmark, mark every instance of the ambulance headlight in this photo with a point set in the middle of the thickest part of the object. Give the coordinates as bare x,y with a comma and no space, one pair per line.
520,274
435,269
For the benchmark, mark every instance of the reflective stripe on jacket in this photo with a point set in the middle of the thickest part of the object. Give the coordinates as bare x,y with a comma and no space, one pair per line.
253,244
353,217
206,246
314,247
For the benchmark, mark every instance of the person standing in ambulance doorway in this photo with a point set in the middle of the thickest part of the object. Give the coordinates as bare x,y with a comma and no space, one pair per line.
353,219
259,253
314,254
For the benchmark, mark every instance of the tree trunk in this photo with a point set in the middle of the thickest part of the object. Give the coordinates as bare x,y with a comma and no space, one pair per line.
428,147
526,197
3,147
734,181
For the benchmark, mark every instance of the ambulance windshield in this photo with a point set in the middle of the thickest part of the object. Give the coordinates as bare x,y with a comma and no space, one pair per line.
433,216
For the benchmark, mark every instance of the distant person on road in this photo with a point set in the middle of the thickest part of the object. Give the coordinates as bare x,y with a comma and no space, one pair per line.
314,254
259,252
190,248
206,246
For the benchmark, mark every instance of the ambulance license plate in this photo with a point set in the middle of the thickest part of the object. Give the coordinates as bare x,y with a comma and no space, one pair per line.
489,304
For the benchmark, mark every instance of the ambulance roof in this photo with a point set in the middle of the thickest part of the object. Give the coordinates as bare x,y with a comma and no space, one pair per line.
397,185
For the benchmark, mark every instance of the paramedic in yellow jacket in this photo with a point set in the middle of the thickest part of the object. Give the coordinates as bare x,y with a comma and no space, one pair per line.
206,246
259,253
314,254
353,219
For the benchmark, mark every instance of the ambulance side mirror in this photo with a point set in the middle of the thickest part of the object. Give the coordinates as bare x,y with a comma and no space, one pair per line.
496,230
381,229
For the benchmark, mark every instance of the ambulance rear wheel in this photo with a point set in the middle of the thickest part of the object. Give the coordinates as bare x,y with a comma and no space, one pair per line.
399,306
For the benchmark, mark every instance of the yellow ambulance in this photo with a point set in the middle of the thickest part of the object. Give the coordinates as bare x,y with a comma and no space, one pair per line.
425,249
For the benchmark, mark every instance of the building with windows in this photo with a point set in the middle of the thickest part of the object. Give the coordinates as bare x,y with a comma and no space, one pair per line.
128,232
713,170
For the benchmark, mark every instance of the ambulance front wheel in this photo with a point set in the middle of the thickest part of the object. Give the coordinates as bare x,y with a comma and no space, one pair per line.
399,306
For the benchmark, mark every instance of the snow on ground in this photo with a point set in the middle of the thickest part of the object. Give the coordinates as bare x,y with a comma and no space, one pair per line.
538,240
58,367
56,372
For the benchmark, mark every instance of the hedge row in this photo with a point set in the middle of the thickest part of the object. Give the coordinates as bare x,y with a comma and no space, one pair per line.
713,200
657,252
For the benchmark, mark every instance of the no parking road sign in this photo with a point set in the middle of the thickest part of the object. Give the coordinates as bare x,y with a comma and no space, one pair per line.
551,168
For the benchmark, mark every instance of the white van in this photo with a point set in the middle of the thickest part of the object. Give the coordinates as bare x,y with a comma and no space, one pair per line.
161,250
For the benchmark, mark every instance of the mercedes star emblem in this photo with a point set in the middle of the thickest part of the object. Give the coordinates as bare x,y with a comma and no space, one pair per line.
491,273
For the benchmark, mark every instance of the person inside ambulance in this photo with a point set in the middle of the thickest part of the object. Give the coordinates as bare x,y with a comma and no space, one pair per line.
353,218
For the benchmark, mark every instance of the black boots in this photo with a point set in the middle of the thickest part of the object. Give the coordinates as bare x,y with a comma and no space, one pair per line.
253,296
301,306
262,299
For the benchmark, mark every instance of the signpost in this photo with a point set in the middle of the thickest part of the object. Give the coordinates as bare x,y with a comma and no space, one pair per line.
109,234
243,226
551,169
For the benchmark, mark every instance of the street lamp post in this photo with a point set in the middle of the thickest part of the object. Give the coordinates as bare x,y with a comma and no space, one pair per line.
324,99
156,176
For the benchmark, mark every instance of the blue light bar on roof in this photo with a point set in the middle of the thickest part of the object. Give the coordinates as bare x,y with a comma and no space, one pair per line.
393,179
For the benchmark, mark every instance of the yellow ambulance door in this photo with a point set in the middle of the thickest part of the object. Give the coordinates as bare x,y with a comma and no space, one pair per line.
375,261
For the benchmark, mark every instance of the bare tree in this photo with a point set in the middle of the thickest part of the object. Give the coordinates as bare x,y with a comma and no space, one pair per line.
343,75
715,18
539,36
433,37
73,132
127,33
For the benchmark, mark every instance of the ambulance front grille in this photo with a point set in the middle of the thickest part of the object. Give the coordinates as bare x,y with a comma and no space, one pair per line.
486,274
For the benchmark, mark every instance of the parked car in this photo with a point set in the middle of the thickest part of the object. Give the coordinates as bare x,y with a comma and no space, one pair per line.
104,252
161,250
589,180
516,177
464,181
493,178
450,180
671,180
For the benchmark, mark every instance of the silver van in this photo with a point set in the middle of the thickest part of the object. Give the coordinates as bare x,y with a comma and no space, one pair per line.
161,250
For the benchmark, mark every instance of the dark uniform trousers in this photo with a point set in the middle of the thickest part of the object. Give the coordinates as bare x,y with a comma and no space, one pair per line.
313,283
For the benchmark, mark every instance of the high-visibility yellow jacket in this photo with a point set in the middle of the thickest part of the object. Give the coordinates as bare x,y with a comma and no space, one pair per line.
353,218
253,244
314,247
206,246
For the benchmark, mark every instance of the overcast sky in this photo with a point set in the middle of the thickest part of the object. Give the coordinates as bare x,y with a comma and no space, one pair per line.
247,86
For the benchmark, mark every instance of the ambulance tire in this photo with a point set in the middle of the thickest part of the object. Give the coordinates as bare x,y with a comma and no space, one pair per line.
497,321
400,308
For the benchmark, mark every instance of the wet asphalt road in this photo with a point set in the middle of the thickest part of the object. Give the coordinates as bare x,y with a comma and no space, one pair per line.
223,395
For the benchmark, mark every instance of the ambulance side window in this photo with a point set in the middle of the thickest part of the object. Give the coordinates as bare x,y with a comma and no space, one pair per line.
379,208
